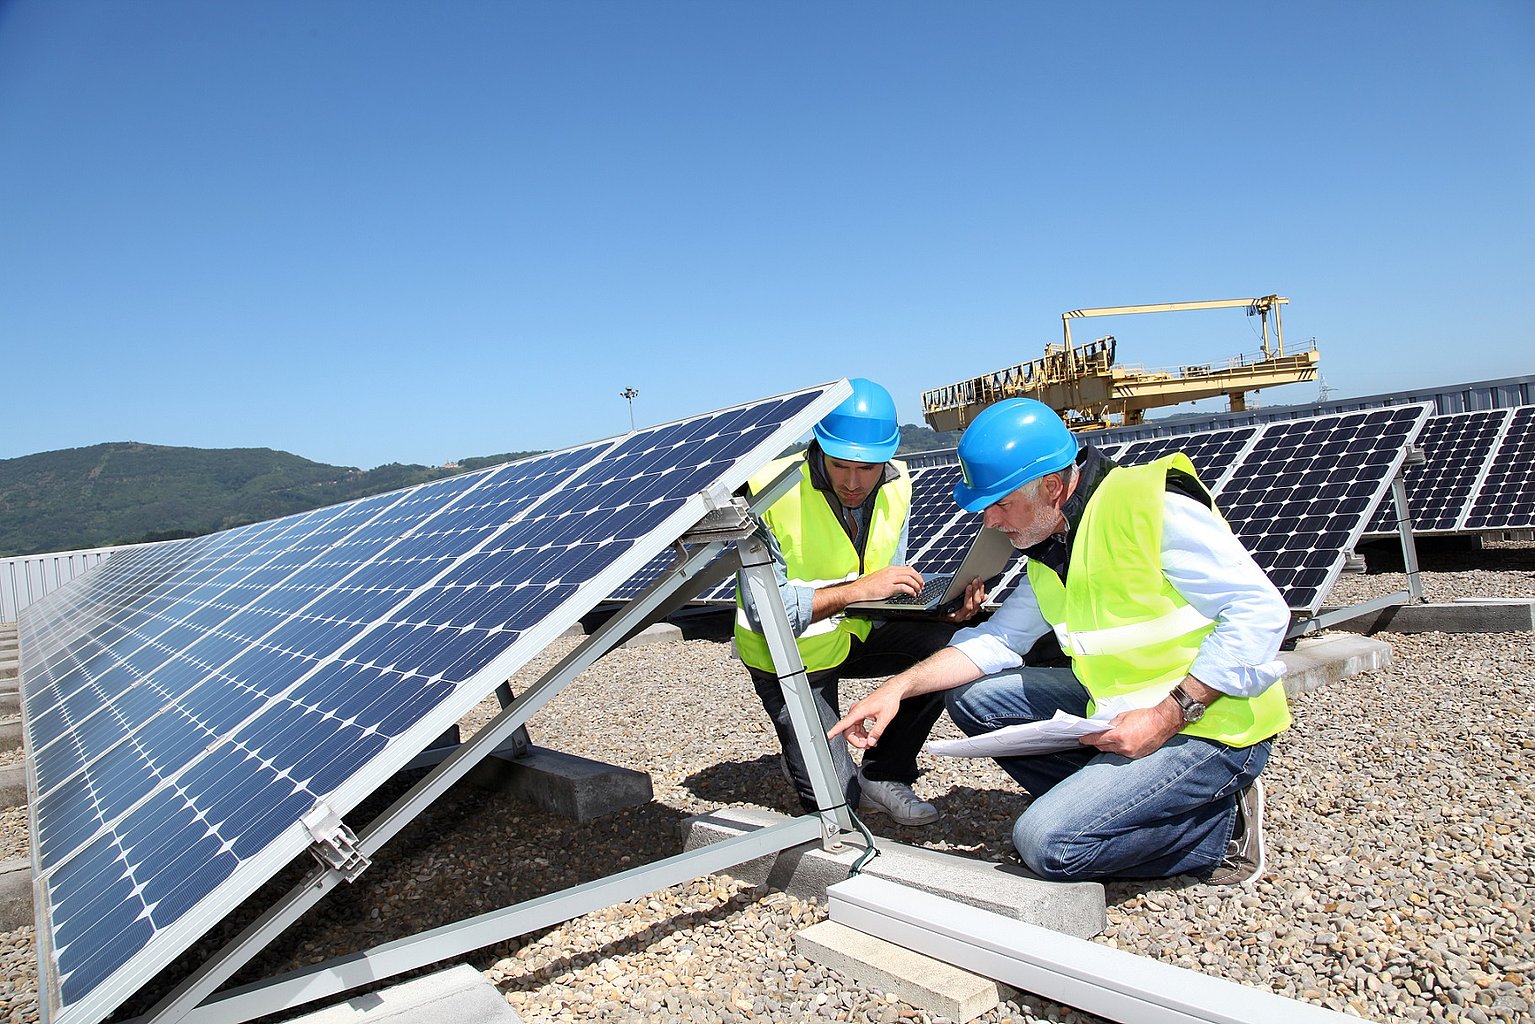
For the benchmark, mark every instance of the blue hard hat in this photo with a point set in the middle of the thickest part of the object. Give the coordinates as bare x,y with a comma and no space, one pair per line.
863,428
1007,445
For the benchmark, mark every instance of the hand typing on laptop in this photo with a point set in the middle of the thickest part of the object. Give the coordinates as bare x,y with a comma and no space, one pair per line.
878,585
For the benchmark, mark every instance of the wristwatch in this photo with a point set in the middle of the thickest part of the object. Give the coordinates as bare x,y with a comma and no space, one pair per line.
1193,710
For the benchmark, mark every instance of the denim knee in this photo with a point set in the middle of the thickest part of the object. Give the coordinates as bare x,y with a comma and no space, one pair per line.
1053,853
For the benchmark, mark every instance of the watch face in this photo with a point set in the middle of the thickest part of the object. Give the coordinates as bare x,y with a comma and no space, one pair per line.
1192,709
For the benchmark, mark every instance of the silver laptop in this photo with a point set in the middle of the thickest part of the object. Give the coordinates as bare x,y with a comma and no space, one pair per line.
987,557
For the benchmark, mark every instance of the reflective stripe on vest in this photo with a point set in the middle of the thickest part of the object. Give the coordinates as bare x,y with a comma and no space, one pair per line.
1119,639
819,628
1125,627
818,553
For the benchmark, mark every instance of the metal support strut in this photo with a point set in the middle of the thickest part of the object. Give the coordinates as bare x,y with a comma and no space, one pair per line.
757,574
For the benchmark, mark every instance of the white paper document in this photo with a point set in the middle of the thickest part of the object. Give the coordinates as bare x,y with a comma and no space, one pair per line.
1063,732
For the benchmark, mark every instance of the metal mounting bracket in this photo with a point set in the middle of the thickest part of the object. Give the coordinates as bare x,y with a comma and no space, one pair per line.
730,521
335,845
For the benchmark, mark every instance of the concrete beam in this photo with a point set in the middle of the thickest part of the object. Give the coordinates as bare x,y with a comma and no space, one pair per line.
1325,660
805,872
10,734
932,985
15,894
567,784
459,995
13,785
655,633
1479,615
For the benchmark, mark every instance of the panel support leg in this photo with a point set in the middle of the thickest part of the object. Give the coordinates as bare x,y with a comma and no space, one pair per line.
757,573
1404,530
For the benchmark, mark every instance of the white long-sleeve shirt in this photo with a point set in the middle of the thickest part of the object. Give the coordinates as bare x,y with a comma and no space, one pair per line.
1208,566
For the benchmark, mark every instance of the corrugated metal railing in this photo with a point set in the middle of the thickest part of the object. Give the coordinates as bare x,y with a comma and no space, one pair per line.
27,578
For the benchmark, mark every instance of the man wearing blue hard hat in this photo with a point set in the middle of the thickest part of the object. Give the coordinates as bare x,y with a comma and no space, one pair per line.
837,538
1161,611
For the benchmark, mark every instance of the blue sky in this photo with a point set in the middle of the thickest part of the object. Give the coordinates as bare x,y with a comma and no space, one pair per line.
367,232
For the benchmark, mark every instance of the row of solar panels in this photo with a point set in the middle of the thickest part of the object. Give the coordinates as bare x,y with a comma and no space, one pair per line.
1298,493
187,704
1478,474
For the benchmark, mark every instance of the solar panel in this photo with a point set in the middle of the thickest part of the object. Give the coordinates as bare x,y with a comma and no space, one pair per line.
1457,452
938,527
1302,494
189,706
1506,499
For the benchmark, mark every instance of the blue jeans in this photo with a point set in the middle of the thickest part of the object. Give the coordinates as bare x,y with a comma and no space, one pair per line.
1102,815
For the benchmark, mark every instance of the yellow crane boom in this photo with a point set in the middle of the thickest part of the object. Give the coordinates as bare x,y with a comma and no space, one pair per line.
1089,389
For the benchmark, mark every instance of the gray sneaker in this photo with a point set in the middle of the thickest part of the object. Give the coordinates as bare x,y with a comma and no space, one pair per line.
897,800
1243,863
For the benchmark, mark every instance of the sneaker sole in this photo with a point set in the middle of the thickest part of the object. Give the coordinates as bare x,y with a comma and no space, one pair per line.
898,819
1258,791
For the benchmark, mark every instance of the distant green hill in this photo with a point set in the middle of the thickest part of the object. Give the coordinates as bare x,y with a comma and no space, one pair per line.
125,492
925,439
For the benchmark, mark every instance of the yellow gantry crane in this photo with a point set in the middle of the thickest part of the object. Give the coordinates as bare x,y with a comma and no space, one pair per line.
1090,390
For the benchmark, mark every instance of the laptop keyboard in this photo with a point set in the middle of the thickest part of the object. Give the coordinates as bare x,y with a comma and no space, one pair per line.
932,589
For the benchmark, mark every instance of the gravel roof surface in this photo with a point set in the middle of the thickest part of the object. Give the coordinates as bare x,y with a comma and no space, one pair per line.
1400,859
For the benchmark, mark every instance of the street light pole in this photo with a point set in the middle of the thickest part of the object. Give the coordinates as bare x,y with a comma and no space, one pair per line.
631,395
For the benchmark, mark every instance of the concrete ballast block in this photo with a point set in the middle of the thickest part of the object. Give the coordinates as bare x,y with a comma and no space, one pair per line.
1464,615
655,633
805,872
567,784
15,894
459,995
13,785
928,984
1323,661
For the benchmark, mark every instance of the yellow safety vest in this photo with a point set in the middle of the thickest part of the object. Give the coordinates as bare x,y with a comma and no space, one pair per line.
1121,622
818,553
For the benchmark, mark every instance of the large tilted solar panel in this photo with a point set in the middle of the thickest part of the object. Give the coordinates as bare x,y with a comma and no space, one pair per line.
186,705
1457,453
1506,499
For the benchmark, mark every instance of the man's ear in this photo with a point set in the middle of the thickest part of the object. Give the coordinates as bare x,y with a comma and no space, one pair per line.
1055,489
